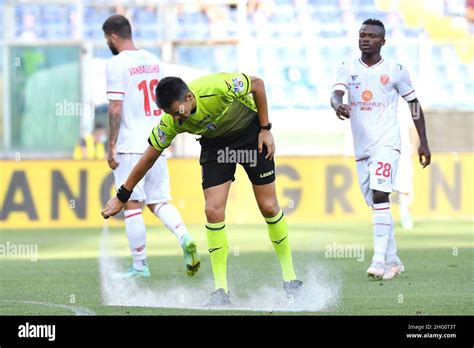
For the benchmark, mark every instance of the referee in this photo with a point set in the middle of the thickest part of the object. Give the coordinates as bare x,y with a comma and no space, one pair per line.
230,112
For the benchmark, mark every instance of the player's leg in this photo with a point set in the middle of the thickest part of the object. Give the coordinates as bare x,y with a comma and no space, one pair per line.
393,264
157,189
216,200
376,268
172,219
404,200
383,167
278,233
136,235
277,228
262,175
217,176
404,186
134,223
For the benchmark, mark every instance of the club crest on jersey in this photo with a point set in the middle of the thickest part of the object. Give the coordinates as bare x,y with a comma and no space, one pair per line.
161,136
212,126
367,95
384,79
238,84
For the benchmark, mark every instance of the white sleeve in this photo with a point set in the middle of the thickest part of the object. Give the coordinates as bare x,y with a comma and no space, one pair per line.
341,82
115,83
404,86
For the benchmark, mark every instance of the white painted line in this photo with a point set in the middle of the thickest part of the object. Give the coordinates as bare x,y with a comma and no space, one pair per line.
75,309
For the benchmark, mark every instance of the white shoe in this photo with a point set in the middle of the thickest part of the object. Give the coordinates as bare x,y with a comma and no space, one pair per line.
393,269
376,270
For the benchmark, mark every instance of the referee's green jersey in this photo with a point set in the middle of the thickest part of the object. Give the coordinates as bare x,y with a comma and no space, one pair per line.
223,107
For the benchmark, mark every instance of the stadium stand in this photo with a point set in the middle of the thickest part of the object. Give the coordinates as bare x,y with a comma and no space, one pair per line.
298,43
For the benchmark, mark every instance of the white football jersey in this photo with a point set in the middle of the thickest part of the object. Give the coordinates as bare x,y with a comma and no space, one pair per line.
373,97
132,76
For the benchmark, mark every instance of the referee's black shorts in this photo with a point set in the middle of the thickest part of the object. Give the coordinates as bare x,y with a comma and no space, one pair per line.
219,158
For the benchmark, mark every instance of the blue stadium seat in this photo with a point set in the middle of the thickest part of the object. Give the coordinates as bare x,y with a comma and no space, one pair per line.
322,2
363,3
193,25
292,75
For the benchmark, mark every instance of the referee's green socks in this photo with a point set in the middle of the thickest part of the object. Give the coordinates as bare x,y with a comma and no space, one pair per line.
278,232
218,250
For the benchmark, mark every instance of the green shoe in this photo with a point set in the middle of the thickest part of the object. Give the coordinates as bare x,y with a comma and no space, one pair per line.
191,256
133,273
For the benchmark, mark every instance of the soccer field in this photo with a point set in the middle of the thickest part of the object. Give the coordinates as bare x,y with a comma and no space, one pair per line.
66,278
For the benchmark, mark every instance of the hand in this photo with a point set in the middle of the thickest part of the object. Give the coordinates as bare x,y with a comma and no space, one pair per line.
265,137
424,150
343,111
112,158
112,207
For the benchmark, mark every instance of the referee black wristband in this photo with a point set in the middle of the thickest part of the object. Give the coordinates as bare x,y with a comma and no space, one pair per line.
123,194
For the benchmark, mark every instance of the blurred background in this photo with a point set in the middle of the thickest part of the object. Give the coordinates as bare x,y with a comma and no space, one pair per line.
52,82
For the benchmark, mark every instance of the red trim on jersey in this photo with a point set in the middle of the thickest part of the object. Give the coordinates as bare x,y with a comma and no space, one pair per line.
403,96
382,208
361,159
340,84
126,217
115,92
379,62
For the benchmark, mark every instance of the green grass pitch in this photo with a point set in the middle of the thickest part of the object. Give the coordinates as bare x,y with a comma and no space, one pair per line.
438,257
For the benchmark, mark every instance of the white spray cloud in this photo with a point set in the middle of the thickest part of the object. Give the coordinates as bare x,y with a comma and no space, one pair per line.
321,289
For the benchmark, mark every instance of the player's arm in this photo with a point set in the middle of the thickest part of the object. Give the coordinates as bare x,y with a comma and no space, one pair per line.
338,90
115,204
418,116
158,141
265,137
342,110
115,94
115,115
406,90
260,97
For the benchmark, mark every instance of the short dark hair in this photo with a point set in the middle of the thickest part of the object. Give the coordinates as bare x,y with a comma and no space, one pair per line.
169,90
373,21
117,24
